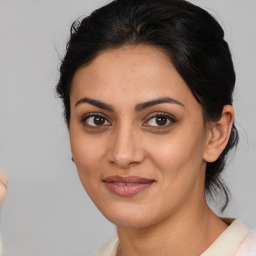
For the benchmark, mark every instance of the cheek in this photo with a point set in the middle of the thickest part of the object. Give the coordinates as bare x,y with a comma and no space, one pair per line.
86,148
85,151
88,156
180,170
179,157
177,152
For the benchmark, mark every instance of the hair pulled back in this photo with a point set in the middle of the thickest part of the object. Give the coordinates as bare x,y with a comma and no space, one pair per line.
190,36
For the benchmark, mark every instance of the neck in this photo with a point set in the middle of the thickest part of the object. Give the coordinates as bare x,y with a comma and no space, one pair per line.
192,231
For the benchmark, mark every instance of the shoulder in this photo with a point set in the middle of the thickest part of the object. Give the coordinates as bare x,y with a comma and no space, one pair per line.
248,245
109,248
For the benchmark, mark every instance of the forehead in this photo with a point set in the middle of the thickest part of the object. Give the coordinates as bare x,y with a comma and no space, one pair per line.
130,73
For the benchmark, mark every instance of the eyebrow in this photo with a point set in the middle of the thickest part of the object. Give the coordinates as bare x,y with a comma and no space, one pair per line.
95,103
152,103
138,107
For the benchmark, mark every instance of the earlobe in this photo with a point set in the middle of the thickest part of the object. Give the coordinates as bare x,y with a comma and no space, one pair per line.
218,134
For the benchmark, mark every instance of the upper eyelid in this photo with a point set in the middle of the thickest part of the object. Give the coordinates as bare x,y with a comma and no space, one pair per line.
172,117
85,118
94,114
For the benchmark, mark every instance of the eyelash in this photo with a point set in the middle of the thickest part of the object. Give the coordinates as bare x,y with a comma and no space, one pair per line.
86,117
170,119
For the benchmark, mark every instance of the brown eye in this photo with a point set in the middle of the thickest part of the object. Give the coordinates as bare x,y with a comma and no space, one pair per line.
160,120
94,120
99,120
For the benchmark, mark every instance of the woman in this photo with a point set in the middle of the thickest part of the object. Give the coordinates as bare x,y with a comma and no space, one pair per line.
147,89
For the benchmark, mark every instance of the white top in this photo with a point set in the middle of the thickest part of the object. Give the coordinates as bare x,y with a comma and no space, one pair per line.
236,240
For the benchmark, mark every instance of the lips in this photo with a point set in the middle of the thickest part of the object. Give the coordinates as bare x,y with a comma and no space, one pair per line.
127,186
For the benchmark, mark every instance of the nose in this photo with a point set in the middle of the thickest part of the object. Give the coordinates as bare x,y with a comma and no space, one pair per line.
126,149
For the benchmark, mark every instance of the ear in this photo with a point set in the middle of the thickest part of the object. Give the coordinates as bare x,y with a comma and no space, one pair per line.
218,134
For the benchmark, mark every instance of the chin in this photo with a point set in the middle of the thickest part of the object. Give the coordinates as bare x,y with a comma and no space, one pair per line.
129,222
129,217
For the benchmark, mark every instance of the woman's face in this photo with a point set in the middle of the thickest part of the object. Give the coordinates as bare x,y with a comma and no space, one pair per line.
137,136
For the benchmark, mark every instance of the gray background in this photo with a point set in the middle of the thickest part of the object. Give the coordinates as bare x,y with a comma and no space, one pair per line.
47,211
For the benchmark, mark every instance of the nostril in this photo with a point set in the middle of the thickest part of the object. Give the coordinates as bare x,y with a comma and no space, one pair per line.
124,163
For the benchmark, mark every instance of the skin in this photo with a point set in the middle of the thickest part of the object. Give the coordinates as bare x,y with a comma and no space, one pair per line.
3,187
3,190
129,141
